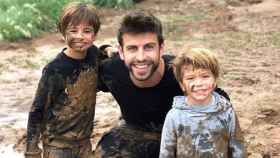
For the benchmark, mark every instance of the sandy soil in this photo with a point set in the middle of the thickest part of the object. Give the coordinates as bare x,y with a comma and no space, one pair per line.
246,34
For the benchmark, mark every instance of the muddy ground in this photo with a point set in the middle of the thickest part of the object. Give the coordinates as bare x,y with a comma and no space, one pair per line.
246,35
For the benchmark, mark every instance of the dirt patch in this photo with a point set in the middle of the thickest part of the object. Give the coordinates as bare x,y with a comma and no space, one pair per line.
244,33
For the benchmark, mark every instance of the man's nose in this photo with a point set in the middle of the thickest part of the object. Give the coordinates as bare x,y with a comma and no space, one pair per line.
140,56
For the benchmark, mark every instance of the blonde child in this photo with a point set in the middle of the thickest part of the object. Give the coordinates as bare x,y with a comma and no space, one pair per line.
201,124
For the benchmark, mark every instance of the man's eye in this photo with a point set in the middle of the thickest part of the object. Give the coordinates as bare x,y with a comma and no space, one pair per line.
131,49
148,47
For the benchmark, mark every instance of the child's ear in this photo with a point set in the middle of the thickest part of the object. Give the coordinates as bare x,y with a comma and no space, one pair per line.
63,38
94,36
180,82
215,83
182,86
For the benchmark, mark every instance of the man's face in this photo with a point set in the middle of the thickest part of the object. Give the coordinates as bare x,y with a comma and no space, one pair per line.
141,54
198,84
79,38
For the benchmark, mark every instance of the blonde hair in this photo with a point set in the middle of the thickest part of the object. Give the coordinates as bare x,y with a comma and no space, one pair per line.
199,58
75,13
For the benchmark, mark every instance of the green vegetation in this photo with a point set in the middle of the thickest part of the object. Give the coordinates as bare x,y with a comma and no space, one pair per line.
114,3
28,18
275,38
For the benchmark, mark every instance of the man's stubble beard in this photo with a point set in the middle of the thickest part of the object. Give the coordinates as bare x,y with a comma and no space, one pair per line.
153,69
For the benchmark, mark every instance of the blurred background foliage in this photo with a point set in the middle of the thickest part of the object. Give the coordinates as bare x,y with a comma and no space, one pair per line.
23,19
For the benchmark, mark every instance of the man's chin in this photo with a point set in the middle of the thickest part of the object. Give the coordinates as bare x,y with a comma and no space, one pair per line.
140,77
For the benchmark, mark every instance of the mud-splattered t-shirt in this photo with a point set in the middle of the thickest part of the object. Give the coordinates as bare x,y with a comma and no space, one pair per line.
141,107
64,104
202,131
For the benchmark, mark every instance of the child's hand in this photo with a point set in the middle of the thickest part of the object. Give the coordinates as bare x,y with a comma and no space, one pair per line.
33,156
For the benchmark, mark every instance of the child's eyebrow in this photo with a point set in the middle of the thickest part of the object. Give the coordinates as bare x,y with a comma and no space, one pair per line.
89,28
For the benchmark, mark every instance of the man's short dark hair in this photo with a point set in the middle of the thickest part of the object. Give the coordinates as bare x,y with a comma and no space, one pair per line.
140,22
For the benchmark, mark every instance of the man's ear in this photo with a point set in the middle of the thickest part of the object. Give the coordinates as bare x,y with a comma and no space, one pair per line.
161,49
121,52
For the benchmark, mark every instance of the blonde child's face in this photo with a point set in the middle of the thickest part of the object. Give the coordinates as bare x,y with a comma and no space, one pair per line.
79,38
197,84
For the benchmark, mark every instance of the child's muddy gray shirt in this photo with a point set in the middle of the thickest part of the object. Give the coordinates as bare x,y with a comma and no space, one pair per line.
202,131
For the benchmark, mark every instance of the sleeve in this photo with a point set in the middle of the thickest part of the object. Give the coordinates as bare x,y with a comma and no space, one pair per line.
36,114
101,85
168,138
236,142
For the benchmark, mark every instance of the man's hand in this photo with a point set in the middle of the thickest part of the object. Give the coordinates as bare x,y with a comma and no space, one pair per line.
111,51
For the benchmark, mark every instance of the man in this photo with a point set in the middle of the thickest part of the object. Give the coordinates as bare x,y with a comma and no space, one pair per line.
142,82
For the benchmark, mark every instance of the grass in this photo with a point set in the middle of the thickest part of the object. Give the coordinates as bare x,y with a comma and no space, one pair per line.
24,19
176,26
113,3
275,39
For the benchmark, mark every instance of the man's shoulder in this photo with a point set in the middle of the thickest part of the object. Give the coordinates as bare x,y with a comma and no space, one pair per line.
168,58
112,63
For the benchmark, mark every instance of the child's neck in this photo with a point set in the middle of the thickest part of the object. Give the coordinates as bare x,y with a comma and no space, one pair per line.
75,55
204,102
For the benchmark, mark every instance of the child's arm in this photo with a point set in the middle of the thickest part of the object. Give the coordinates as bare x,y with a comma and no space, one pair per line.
236,143
168,138
36,115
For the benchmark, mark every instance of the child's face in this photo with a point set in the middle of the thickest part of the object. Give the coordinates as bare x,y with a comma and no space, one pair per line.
79,38
197,84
